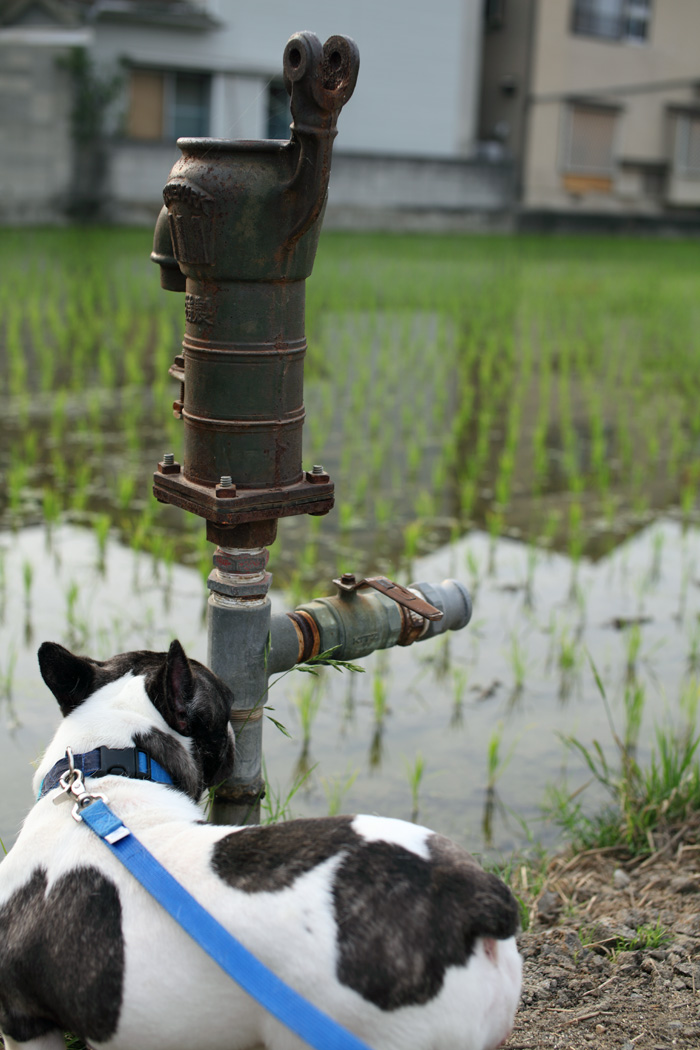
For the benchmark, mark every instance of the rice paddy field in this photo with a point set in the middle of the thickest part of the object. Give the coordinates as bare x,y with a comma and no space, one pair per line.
521,414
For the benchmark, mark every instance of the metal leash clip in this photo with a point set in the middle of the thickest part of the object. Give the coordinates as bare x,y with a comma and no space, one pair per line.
72,784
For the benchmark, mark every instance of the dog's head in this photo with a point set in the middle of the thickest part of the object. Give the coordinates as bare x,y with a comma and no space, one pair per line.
172,707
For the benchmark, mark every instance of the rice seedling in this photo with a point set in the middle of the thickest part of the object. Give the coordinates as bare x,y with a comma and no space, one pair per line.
459,684
7,674
518,663
126,489
275,806
17,481
633,701
307,700
51,506
633,642
379,697
496,764
415,772
101,525
27,580
3,583
336,788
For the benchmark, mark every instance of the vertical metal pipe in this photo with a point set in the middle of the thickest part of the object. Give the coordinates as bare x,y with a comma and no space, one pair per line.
239,628
237,642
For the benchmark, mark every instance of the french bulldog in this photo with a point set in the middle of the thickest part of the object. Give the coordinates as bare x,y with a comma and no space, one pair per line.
391,929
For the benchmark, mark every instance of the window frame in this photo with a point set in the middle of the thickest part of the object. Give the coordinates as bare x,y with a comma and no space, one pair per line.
681,143
565,163
637,11
168,132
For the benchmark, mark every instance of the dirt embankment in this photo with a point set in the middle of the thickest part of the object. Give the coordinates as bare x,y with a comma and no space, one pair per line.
612,956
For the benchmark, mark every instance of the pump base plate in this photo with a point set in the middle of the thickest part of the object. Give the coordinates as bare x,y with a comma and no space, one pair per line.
305,497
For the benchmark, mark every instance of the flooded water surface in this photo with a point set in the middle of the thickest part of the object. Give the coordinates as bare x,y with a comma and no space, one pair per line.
518,413
514,681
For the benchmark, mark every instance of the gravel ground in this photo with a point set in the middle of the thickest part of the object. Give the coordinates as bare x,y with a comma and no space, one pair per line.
585,982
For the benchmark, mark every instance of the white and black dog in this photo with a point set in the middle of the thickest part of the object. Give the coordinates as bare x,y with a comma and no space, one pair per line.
391,929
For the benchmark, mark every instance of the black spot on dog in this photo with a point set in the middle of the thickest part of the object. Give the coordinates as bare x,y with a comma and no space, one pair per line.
257,859
185,774
402,920
62,957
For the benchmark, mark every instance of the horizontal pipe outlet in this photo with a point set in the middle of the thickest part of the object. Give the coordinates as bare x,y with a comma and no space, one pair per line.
354,623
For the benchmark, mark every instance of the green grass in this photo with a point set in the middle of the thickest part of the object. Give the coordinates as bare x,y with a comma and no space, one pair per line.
644,797
646,937
451,380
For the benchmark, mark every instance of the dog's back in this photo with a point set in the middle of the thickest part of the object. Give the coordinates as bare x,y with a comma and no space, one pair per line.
391,929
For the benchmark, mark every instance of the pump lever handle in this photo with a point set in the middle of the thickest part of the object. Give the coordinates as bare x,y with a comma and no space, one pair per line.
401,595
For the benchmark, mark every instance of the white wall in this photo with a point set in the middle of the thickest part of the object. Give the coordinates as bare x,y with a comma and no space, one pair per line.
419,65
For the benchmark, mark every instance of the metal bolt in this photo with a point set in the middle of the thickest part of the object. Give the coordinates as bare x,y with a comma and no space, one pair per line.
317,475
168,464
348,577
225,489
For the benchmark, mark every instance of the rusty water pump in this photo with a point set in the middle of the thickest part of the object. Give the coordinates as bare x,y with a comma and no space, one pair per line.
238,234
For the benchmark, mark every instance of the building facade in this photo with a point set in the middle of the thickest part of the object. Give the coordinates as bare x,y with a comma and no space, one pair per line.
407,140
598,103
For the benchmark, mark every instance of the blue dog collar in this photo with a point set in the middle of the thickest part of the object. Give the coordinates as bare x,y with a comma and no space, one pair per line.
108,761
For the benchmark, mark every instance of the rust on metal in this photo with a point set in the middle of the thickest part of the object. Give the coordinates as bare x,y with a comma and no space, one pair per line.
238,234
307,633
248,534
241,562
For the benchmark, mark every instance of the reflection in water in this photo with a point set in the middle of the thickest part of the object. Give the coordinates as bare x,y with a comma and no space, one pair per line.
445,700
376,747
303,765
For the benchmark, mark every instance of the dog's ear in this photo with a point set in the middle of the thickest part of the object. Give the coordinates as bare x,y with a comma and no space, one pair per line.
177,689
70,678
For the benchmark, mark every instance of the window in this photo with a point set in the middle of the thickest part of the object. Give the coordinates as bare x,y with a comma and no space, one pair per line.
279,114
167,105
590,138
687,145
612,19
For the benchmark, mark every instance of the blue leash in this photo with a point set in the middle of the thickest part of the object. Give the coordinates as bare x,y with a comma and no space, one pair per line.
292,1009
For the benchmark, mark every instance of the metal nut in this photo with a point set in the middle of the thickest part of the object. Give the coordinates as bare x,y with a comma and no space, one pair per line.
225,489
241,562
168,464
317,476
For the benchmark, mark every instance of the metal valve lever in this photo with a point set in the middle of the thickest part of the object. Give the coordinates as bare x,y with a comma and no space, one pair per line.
401,595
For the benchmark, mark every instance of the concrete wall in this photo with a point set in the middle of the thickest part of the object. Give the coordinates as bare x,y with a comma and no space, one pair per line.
366,190
36,162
